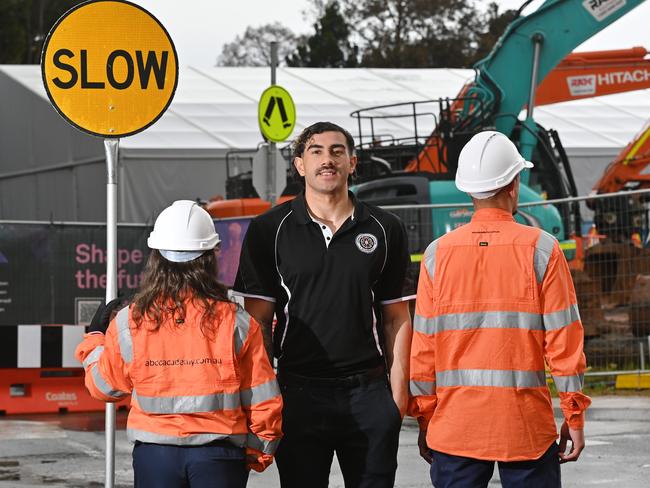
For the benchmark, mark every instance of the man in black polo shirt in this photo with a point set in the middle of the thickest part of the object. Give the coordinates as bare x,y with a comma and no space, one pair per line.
332,270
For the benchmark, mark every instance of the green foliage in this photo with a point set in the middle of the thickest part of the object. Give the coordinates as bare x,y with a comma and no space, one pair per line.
24,24
329,46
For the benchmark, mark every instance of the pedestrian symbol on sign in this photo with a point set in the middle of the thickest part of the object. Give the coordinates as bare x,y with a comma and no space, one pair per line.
276,114
273,101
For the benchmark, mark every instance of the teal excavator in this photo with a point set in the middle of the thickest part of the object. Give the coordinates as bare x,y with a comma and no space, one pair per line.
420,168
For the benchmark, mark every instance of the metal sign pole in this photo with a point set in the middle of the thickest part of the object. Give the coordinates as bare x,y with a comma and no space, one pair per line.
270,175
111,146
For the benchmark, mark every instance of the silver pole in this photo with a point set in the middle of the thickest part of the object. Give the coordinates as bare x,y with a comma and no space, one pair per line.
111,147
538,39
270,175
641,356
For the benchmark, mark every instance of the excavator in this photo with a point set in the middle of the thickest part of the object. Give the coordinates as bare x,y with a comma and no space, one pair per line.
420,169
530,65
617,269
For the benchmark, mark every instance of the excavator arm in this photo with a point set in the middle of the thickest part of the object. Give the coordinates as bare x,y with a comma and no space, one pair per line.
626,170
594,74
528,50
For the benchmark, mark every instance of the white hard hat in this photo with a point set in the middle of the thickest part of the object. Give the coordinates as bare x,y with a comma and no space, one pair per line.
183,226
488,162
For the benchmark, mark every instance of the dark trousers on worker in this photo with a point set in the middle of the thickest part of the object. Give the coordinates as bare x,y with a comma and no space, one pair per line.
355,417
215,465
449,471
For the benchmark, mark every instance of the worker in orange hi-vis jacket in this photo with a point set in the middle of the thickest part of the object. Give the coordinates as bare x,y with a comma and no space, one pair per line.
205,405
495,301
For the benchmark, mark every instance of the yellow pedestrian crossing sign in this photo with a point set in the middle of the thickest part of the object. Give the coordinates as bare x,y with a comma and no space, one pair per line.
276,114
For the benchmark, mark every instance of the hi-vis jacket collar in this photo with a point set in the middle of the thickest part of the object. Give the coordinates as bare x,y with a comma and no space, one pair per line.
299,206
487,214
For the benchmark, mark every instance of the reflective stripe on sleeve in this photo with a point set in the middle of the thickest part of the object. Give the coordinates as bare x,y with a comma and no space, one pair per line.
424,325
242,325
561,318
93,356
103,385
566,384
260,393
491,377
430,259
421,388
267,447
543,250
124,335
188,404
478,320
133,435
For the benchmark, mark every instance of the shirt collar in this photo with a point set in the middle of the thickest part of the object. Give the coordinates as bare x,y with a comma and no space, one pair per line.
485,214
299,206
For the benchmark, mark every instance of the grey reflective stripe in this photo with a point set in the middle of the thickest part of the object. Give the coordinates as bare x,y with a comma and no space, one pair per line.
561,318
188,404
260,393
491,377
242,324
93,356
543,250
103,385
267,447
420,388
133,435
424,325
480,320
430,259
566,384
124,335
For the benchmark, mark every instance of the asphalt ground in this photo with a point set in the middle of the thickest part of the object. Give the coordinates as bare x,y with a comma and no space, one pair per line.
67,451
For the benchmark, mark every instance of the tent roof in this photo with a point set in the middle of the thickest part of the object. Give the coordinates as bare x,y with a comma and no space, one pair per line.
216,108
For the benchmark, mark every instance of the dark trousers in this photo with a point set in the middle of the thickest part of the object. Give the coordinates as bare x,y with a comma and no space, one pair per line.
215,465
449,471
355,417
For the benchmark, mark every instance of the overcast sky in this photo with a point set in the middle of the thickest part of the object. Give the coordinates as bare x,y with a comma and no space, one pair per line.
199,28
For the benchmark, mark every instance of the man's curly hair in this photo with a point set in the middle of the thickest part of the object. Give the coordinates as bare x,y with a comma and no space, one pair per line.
301,141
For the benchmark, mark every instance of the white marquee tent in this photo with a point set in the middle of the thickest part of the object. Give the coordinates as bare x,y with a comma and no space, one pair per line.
51,171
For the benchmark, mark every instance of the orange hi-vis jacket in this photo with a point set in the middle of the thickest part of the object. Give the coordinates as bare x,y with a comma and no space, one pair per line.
495,301
189,388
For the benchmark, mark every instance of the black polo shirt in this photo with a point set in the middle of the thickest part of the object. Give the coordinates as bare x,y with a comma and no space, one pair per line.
327,292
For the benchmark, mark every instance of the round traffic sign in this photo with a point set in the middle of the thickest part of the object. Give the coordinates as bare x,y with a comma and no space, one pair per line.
276,114
109,68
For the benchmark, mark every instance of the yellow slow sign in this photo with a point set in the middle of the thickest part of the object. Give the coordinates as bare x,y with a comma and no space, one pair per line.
109,68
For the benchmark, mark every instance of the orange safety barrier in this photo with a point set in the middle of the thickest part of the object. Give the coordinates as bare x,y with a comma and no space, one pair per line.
39,390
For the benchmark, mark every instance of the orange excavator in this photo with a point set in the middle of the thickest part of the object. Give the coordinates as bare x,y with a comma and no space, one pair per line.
616,271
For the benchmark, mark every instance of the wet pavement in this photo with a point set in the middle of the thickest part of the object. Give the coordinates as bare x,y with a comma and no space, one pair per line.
68,451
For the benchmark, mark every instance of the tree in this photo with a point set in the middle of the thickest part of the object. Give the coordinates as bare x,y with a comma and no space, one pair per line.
24,24
422,33
254,47
330,45
496,23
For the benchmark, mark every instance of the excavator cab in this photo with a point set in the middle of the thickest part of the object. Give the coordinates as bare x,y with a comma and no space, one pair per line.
420,169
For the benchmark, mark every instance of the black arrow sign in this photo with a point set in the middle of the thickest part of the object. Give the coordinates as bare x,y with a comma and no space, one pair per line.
269,111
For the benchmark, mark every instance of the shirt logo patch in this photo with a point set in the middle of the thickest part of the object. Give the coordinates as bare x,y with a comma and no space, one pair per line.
366,243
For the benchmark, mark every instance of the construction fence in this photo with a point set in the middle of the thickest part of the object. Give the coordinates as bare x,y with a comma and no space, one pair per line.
606,239
53,273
